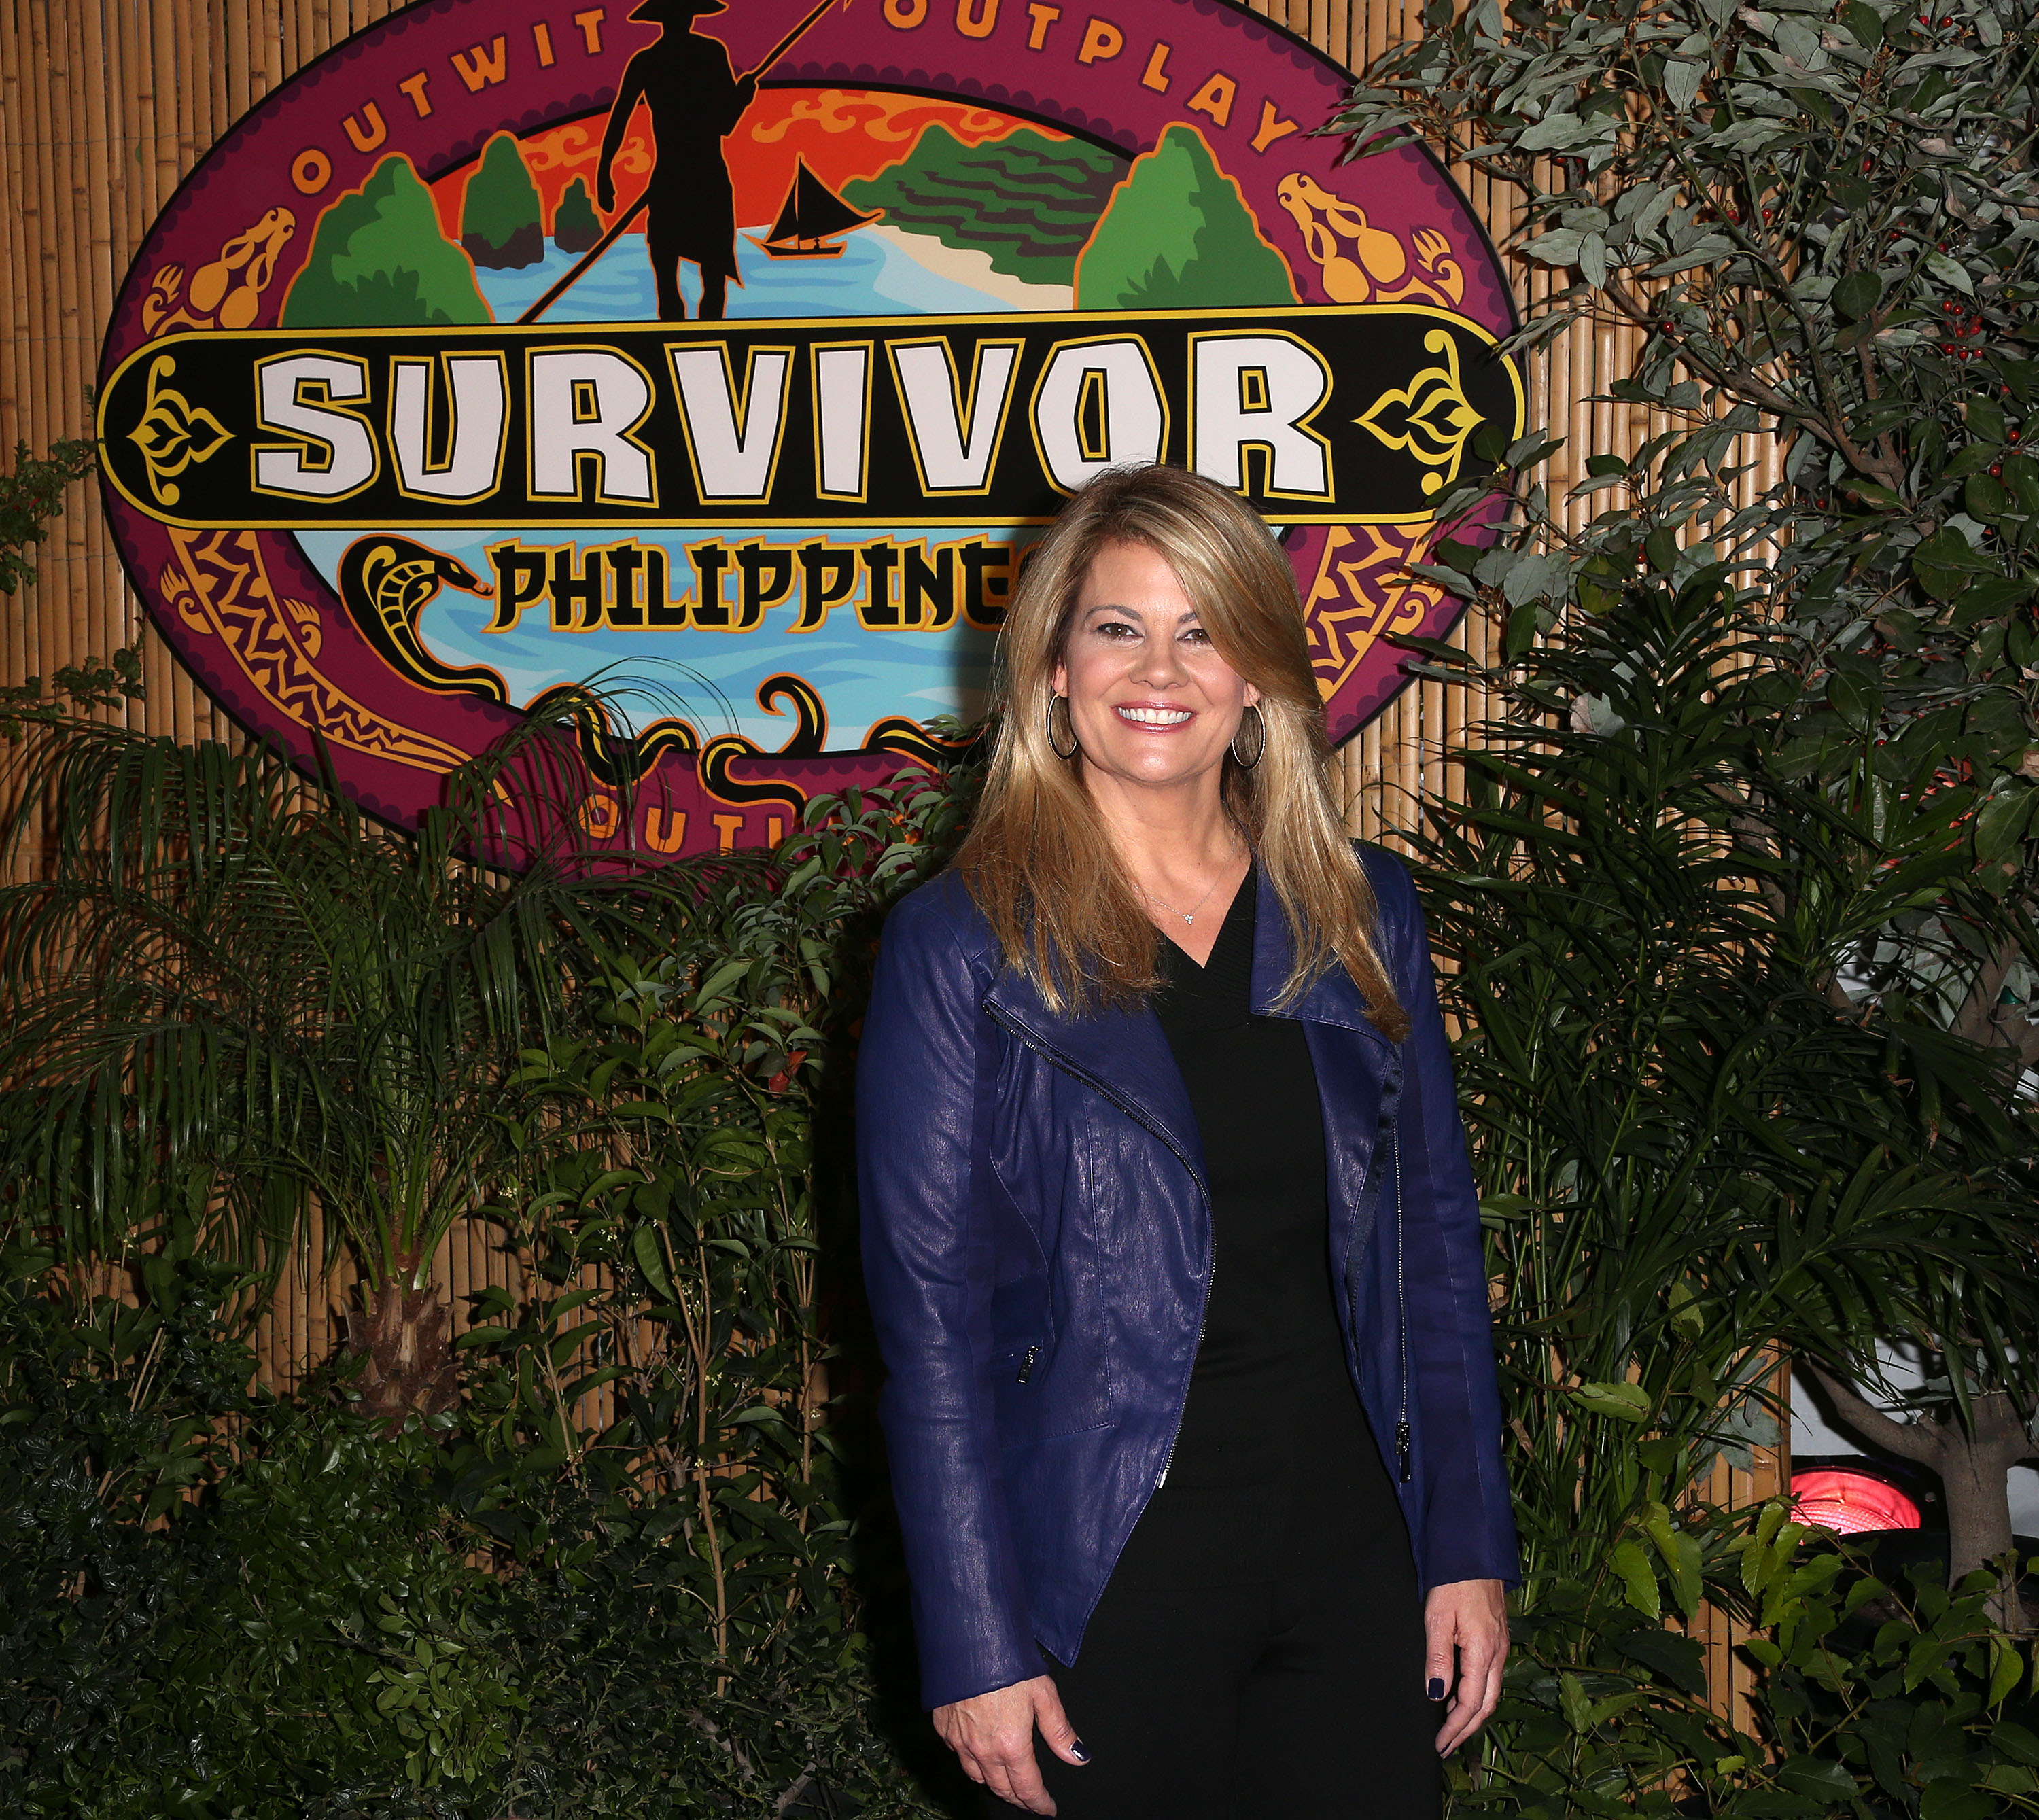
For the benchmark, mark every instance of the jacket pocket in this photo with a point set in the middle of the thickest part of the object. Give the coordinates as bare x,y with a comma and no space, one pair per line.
1020,1317
1020,1364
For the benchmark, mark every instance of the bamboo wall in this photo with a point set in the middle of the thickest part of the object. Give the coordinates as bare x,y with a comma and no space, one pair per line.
106,104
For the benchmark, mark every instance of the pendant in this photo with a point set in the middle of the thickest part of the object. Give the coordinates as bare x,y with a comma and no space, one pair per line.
1191,920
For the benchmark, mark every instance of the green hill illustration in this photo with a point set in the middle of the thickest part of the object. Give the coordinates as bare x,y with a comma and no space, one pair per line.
1026,200
1177,235
500,222
576,225
379,260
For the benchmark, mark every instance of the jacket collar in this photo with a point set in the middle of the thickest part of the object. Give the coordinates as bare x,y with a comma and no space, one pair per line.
1125,1054
1331,997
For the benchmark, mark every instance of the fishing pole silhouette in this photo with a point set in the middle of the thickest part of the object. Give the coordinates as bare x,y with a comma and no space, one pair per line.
695,98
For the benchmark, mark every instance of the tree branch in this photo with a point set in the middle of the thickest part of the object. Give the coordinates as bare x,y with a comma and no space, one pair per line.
2027,1042
1916,1441
1976,1020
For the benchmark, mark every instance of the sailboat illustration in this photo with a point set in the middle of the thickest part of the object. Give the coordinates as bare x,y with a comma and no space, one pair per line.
810,214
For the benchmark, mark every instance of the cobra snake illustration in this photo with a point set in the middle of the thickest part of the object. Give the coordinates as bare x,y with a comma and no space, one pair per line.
1362,263
386,583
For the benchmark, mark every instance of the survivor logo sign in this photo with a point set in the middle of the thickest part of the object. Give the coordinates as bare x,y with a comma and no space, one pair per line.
733,359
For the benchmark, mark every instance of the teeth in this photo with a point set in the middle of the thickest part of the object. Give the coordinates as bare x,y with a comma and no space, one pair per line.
1156,716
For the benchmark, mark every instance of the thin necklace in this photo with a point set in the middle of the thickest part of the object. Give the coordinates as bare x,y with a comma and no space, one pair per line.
1189,915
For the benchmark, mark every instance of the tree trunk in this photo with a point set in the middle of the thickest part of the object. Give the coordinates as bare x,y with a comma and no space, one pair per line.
1978,1503
1971,1466
407,1354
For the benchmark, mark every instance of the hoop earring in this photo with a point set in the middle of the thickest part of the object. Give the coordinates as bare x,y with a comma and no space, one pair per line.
1054,745
1259,740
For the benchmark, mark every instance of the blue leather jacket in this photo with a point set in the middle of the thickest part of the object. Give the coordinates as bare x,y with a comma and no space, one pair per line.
1037,1244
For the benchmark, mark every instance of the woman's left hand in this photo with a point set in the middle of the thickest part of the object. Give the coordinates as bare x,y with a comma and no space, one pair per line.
1467,1625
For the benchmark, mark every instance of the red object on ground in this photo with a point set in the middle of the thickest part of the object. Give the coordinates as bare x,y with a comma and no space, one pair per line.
1849,1503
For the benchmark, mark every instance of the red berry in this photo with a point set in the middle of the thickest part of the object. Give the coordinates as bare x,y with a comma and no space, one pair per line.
2014,436
1869,164
1995,470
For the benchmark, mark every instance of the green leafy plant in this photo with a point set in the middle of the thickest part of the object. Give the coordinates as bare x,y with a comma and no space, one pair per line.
1817,223
671,1361
1717,1131
217,1603
230,989
30,495
1879,1693
1723,1123
1805,232
626,1574
1701,1145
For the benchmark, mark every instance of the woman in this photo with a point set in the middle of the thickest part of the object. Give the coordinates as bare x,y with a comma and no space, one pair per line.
1169,1230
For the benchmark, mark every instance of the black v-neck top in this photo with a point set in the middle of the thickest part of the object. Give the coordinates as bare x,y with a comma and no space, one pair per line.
1270,1372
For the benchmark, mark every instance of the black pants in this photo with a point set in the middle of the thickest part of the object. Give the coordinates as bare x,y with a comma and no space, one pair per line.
1257,1655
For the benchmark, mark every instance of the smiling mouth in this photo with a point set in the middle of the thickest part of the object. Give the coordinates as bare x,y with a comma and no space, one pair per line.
1162,717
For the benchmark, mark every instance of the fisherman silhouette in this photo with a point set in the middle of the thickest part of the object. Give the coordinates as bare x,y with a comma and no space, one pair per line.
696,98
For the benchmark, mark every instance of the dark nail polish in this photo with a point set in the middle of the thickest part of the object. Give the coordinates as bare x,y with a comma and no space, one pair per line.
1437,1688
1077,1751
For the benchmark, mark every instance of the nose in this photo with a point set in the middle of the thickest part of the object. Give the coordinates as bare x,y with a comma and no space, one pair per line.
1160,664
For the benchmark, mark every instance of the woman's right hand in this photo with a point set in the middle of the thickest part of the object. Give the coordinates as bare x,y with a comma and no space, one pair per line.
992,1736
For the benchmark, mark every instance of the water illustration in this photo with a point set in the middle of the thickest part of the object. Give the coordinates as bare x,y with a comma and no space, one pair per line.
960,217
880,274
710,678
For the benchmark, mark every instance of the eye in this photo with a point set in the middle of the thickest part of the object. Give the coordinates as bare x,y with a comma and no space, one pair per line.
1118,631
1195,635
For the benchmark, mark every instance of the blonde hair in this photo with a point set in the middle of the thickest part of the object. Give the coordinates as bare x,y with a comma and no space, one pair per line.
1038,860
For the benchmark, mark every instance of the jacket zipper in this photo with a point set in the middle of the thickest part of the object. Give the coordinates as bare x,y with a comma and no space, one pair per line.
1402,1449
1026,1363
1203,1316
1131,1111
